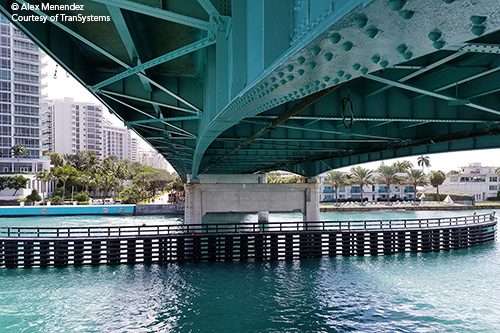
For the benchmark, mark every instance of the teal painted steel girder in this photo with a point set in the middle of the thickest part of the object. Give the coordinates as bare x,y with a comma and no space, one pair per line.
413,70
158,13
432,94
207,41
146,121
131,97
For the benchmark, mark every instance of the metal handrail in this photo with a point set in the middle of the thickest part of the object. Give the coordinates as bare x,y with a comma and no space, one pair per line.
217,228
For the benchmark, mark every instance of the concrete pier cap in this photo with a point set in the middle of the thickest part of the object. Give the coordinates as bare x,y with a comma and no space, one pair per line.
248,193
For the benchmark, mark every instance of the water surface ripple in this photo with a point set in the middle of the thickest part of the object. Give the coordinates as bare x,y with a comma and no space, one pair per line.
455,291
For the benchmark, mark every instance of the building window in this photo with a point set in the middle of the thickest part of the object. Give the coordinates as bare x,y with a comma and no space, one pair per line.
493,179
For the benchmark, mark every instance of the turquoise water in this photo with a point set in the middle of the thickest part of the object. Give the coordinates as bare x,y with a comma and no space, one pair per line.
455,291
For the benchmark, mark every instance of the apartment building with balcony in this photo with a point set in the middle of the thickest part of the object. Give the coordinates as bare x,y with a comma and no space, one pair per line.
89,131
372,193
117,141
20,100
74,126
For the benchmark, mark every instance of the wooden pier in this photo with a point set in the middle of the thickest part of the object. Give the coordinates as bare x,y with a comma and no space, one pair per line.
62,247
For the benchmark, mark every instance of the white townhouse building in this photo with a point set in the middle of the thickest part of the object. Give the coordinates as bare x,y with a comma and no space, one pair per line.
480,181
372,193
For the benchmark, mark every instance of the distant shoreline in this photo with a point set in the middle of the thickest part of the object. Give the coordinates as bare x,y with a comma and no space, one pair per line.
393,207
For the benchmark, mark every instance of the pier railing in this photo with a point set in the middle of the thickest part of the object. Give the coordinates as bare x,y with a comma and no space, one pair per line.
78,246
244,227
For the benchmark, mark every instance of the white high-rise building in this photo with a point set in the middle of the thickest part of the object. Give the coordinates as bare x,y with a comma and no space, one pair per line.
20,97
152,159
134,149
89,131
74,126
117,141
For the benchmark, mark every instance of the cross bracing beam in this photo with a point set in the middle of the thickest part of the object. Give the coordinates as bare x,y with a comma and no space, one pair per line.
158,13
162,88
128,105
465,80
129,43
421,71
301,128
431,94
209,8
365,119
202,43
481,48
324,140
183,132
134,98
145,121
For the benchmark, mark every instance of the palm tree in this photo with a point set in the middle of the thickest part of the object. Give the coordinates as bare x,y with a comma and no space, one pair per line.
362,177
46,176
436,179
85,179
403,166
388,176
63,174
56,159
18,151
424,161
79,160
416,178
337,179
92,160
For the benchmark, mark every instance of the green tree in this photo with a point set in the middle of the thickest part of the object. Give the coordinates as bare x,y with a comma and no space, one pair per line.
337,179
84,179
403,166
56,159
176,185
57,200
134,194
424,161
46,176
416,177
33,197
388,176
18,151
79,161
361,177
436,179
16,183
63,174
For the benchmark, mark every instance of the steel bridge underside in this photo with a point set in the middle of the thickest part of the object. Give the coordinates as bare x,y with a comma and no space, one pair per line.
307,86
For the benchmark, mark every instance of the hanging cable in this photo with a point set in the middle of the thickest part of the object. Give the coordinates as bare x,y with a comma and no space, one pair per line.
346,103
55,72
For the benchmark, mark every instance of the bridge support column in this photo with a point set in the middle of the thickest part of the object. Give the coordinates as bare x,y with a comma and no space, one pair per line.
248,194
192,208
311,202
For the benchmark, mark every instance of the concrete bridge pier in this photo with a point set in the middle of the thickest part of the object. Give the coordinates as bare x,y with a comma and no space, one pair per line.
248,194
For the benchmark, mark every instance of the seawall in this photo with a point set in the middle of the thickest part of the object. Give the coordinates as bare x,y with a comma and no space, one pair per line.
170,209
9,211
17,211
